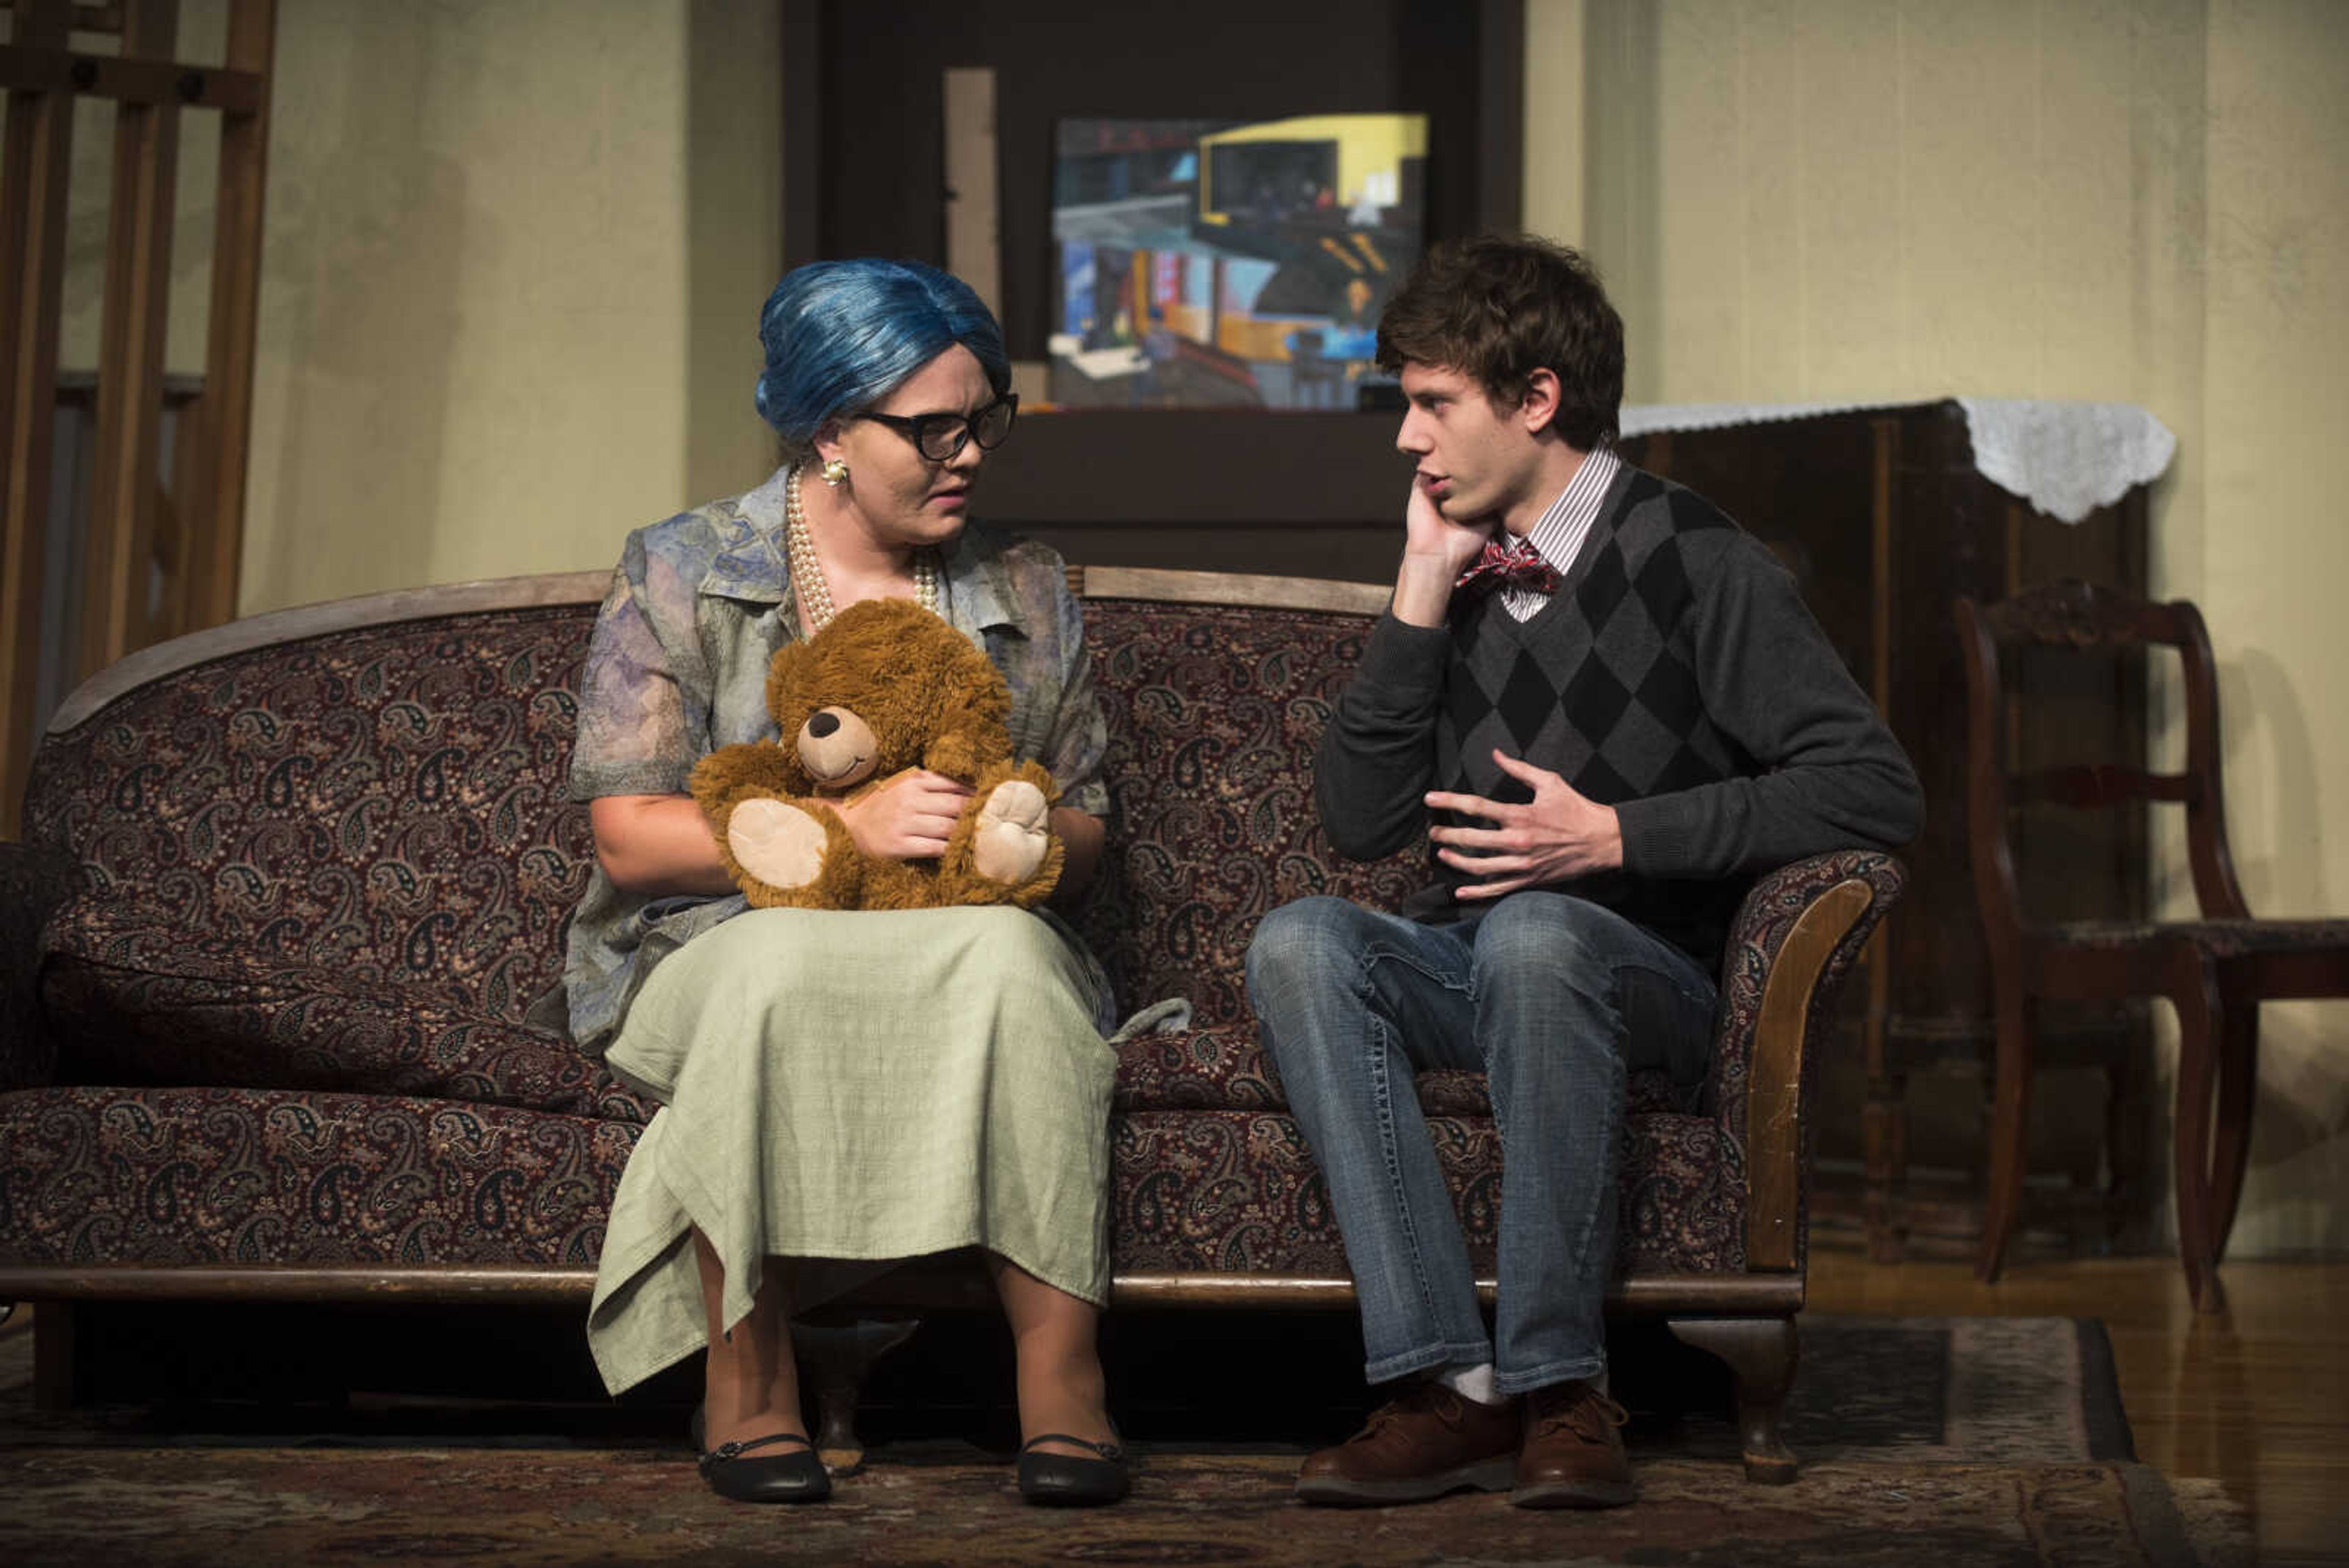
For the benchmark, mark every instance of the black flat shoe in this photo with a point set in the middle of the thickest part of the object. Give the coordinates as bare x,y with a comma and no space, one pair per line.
1064,1480
796,1477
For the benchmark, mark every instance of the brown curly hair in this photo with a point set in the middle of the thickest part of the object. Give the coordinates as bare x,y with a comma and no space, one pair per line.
1496,308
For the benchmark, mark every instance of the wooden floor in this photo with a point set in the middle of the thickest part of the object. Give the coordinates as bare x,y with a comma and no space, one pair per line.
2256,1397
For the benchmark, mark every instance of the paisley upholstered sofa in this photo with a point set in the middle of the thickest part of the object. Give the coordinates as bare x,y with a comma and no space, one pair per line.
284,889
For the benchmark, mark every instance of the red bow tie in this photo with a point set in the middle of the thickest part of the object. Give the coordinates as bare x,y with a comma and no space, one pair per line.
1516,564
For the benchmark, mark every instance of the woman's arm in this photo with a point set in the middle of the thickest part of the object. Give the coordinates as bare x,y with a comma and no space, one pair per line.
1075,744
1082,832
656,845
659,846
641,727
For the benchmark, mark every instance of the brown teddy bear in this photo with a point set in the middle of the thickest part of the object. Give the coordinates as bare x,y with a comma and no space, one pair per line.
884,687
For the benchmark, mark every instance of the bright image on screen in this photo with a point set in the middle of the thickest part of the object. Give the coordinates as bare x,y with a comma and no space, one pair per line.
1209,263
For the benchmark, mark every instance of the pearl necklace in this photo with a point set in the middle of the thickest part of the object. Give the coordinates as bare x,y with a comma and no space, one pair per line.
807,573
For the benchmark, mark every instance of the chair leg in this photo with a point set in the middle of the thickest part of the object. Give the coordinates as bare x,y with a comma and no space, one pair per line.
2124,1139
1884,1133
2201,1025
2010,1127
2239,1085
1760,1353
1884,1136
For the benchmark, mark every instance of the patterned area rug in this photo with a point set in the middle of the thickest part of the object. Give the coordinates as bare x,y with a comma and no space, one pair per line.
1954,1441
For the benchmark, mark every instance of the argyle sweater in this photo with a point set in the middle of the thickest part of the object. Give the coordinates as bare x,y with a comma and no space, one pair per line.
1675,675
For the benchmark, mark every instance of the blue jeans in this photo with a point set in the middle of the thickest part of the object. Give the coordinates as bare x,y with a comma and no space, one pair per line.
1556,1000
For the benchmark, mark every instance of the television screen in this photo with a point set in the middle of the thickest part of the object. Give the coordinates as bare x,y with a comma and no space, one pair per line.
1206,263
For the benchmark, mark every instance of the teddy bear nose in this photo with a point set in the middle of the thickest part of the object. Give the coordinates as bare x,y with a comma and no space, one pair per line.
823,724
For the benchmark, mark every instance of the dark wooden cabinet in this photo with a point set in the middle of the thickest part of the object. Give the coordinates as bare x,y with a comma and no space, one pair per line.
1883,519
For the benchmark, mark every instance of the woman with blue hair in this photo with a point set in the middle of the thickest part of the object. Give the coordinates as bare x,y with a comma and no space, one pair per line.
841,1091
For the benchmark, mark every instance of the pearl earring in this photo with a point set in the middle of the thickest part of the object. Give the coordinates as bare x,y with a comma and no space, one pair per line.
835,471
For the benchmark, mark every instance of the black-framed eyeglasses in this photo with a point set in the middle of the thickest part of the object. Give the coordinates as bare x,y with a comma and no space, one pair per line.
940,437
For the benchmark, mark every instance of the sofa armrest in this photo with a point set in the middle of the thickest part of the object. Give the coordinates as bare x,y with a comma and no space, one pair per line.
33,883
1792,944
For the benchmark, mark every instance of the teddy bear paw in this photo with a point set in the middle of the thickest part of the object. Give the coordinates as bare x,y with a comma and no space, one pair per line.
776,842
1013,837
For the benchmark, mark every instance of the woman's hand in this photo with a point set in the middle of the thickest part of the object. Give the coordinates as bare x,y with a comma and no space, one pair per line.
908,818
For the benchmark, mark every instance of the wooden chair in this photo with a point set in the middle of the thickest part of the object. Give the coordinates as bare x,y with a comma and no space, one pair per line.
2215,969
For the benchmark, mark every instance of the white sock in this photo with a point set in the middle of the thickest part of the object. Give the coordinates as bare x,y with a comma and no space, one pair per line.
1472,1383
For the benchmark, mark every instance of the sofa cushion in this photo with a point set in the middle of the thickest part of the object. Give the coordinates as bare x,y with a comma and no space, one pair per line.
175,1177
1195,1069
1237,1191
215,1018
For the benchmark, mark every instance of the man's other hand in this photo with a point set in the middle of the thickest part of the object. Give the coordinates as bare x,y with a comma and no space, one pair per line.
1560,835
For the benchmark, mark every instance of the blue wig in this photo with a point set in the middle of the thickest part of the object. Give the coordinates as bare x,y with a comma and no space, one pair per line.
840,335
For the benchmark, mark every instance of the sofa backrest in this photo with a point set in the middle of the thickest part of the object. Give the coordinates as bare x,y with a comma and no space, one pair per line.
1214,710
380,788
383,798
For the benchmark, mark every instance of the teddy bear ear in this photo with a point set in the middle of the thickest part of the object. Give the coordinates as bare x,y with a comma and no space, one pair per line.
792,665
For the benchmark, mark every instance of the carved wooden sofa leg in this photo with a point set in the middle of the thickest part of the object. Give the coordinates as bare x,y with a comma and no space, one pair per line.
55,1384
1760,1353
834,1360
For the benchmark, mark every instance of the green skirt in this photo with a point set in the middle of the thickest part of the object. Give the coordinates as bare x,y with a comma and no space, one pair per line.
849,1090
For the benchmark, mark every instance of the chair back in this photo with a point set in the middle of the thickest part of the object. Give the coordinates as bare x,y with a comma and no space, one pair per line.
2087,617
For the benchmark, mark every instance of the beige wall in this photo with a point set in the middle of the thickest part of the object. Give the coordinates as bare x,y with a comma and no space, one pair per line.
2275,553
2139,199
514,260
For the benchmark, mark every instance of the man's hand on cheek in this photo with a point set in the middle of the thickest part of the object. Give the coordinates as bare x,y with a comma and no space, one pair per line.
1436,550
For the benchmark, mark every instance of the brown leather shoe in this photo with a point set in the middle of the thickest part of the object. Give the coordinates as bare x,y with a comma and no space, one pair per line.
1427,1442
1573,1453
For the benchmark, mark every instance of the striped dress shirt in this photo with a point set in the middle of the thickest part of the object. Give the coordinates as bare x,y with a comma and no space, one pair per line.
1560,533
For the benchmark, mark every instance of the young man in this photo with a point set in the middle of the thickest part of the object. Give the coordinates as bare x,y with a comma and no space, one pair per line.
1608,707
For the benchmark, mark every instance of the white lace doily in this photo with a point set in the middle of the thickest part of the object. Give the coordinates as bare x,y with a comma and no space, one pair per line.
2064,458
